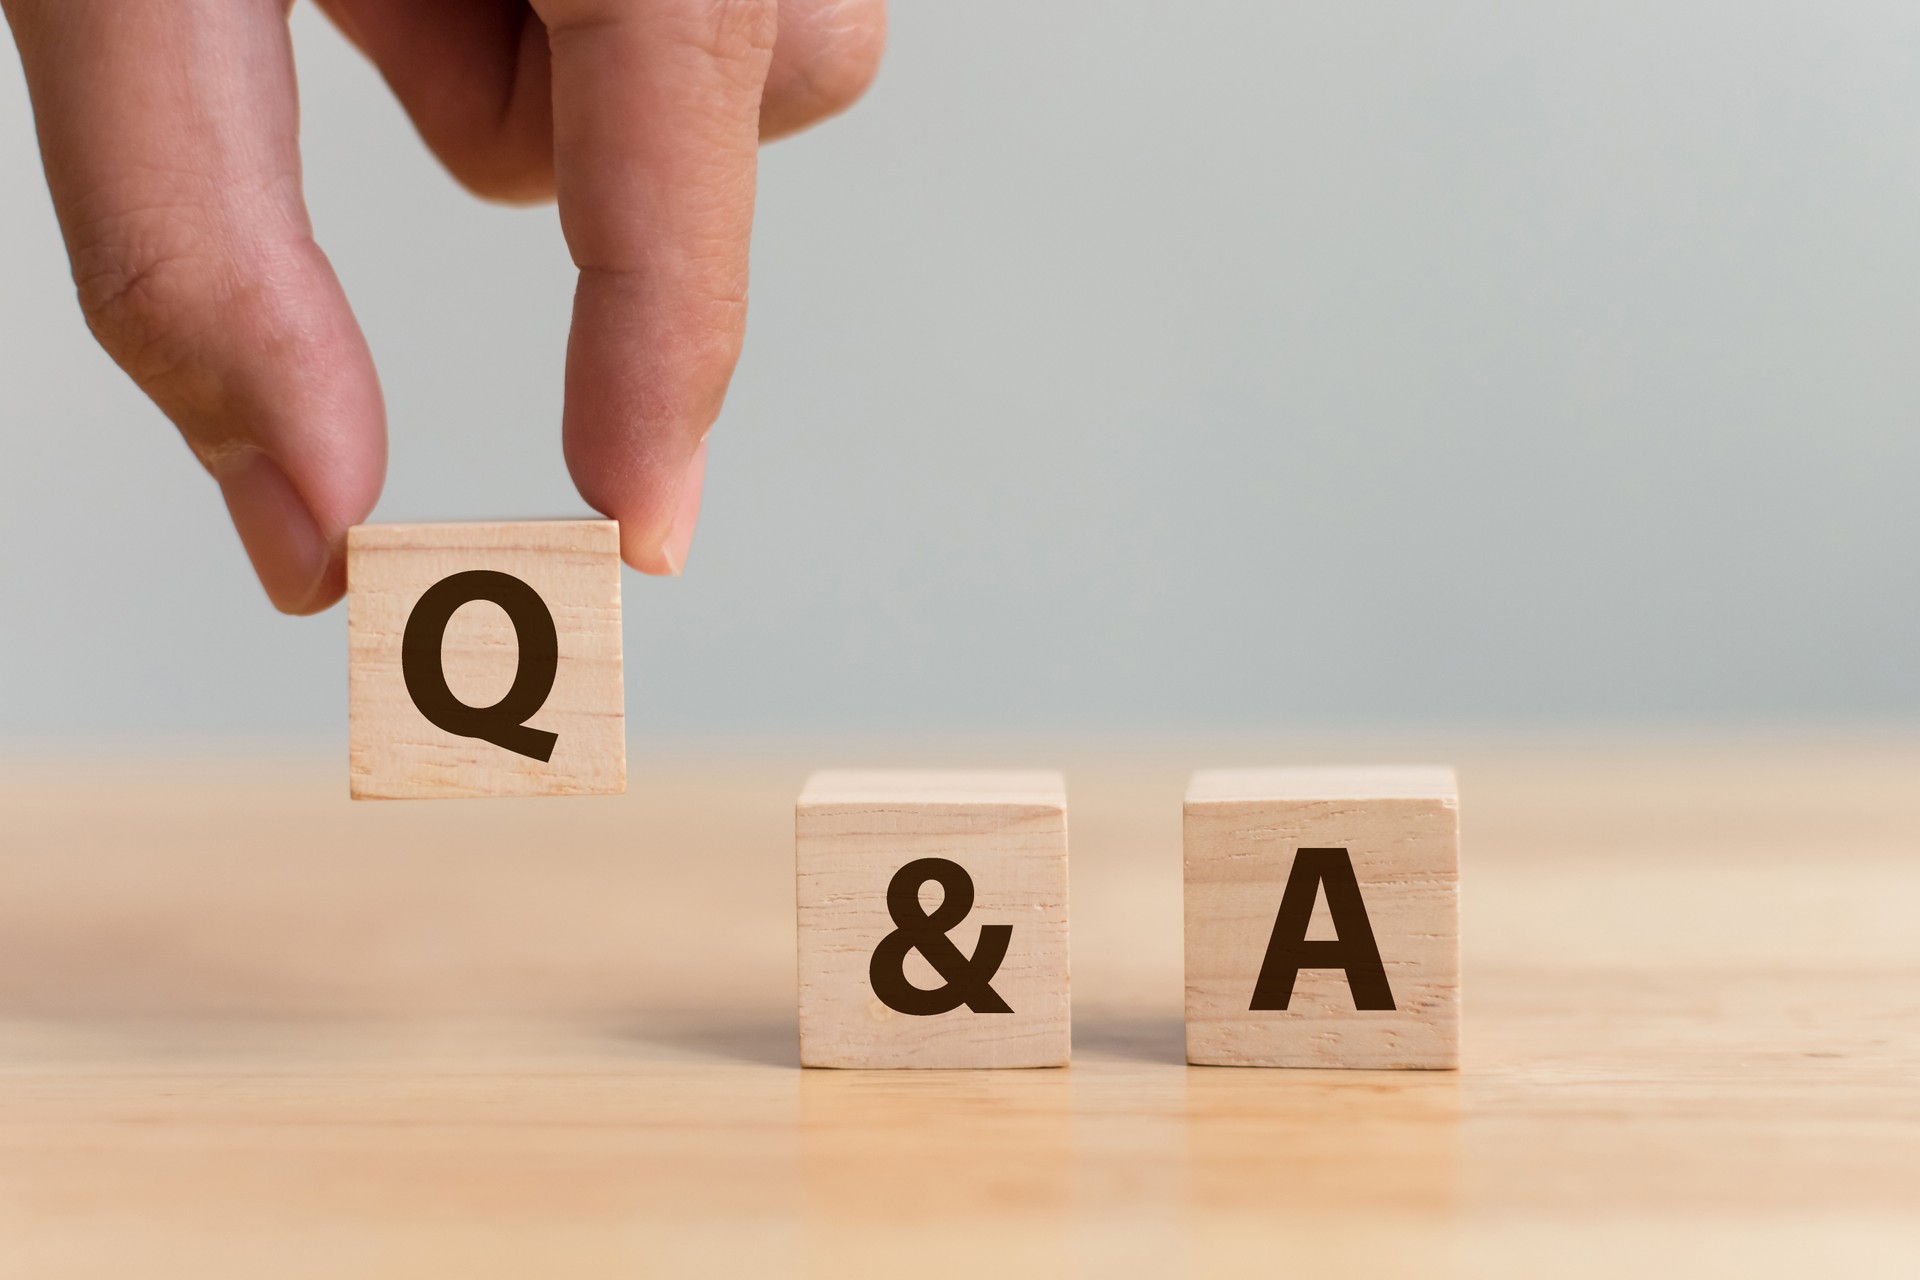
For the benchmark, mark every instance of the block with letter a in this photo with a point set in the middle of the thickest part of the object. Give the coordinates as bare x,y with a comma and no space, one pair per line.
932,919
484,660
1323,918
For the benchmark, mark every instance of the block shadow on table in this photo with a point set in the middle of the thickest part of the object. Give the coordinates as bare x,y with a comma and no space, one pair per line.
752,1039
770,1039
1131,1037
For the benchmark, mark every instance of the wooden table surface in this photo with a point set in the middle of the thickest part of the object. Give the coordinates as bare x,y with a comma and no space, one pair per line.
249,1028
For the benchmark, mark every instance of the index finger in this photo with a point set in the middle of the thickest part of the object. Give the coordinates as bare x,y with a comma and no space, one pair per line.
656,124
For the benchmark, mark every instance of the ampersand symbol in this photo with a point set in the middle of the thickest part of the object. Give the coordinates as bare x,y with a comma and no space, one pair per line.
969,981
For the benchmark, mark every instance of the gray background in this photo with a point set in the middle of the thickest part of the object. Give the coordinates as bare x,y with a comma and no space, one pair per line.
1134,367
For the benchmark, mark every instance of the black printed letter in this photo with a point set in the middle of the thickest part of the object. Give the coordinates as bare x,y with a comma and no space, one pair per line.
503,723
1288,951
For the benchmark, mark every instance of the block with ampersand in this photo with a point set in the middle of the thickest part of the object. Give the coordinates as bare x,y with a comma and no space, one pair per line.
932,919
484,660
1323,918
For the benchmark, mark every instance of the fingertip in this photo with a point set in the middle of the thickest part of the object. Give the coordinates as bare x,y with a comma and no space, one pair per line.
657,523
646,558
300,568
686,513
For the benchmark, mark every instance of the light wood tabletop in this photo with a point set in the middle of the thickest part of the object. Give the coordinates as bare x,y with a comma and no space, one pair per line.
251,1028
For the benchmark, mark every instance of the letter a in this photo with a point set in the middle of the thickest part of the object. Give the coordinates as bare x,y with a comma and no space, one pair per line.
1353,949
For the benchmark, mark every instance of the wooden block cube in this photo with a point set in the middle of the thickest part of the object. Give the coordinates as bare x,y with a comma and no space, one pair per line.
932,919
484,660
1323,918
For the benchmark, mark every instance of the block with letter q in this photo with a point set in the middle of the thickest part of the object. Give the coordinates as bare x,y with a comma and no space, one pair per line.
484,660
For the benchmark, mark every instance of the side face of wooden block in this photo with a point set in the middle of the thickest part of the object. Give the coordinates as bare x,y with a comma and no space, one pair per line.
990,987
472,649
1273,861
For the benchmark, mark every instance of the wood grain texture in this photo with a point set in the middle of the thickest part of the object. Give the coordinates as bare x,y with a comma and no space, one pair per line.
395,752
249,1029
1399,827
1008,831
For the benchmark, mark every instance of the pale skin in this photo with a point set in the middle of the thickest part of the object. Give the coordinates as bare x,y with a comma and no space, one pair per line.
168,129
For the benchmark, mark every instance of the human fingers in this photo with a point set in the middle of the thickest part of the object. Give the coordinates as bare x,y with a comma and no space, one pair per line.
475,76
168,129
656,129
826,56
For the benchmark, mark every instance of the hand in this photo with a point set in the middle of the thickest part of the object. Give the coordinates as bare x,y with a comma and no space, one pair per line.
168,132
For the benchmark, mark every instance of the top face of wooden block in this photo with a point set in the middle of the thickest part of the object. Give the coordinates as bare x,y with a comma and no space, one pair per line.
1359,782
475,648
1018,788
578,537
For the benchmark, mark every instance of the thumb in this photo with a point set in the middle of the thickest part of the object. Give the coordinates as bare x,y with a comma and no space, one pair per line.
169,134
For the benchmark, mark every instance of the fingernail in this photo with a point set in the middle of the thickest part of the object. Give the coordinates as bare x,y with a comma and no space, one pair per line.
686,512
289,554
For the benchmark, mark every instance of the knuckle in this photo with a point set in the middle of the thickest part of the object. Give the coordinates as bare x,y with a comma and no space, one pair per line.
731,32
501,171
147,300
180,309
496,140
839,58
